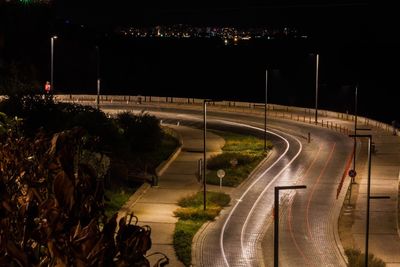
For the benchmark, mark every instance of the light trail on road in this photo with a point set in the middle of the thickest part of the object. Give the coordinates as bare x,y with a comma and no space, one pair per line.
250,187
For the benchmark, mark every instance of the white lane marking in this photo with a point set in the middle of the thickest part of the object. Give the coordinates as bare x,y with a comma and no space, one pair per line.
247,190
263,192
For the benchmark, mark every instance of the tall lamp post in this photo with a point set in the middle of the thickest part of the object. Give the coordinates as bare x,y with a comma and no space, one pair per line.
204,152
316,87
52,62
355,133
265,110
368,193
276,218
204,148
98,75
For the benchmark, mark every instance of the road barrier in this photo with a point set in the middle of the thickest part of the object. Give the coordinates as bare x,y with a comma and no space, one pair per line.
273,110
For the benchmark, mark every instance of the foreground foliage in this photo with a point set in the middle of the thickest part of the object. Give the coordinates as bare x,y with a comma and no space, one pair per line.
357,259
52,207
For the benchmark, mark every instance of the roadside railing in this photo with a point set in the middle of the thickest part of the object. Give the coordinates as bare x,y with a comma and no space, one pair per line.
328,119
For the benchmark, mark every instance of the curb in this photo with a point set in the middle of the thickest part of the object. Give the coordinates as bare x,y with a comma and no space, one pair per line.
196,242
134,198
145,186
165,164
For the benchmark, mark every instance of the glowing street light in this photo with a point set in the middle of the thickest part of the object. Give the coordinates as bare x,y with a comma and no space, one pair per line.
316,87
52,62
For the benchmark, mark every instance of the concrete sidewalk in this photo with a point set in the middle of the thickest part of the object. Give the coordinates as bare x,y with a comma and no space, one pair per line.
155,206
384,239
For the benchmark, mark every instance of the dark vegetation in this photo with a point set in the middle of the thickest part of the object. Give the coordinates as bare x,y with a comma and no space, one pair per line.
57,163
357,259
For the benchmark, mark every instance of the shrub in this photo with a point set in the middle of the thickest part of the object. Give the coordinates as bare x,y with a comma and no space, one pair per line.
357,259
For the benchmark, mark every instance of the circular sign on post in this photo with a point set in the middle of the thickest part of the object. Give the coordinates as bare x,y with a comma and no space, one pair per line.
352,173
221,173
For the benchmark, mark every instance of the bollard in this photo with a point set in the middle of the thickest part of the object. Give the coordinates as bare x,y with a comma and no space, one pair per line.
177,124
154,180
322,122
309,137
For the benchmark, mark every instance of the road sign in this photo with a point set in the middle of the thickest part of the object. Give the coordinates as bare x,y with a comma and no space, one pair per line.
221,173
352,173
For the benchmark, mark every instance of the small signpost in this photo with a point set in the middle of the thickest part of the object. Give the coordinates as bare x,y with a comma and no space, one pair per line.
220,174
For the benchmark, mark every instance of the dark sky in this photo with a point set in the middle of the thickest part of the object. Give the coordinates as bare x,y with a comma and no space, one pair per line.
349,19
315,14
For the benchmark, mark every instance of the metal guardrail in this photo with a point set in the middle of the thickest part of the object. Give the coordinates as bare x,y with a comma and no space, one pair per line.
274,110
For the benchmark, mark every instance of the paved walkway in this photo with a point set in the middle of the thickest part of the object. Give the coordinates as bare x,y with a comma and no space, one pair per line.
155,206
384,239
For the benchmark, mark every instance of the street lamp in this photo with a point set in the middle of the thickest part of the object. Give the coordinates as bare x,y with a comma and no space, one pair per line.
52,62
276,219
265,110
368,192
316,88
355,133
98,75
204,148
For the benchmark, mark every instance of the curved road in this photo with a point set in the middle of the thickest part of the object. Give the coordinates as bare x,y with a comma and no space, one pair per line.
242,235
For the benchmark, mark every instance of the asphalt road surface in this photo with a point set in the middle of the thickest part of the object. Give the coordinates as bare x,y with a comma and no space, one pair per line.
243,233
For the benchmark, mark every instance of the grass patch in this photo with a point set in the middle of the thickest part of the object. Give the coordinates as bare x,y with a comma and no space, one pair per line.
118,197
247,151
192,217
357,259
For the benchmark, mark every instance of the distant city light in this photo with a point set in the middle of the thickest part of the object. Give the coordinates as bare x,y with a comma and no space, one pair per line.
229,35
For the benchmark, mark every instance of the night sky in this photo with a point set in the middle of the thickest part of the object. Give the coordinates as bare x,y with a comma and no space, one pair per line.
358,42
322,15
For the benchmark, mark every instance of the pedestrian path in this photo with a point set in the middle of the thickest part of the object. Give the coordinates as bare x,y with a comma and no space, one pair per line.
384,239
155,205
